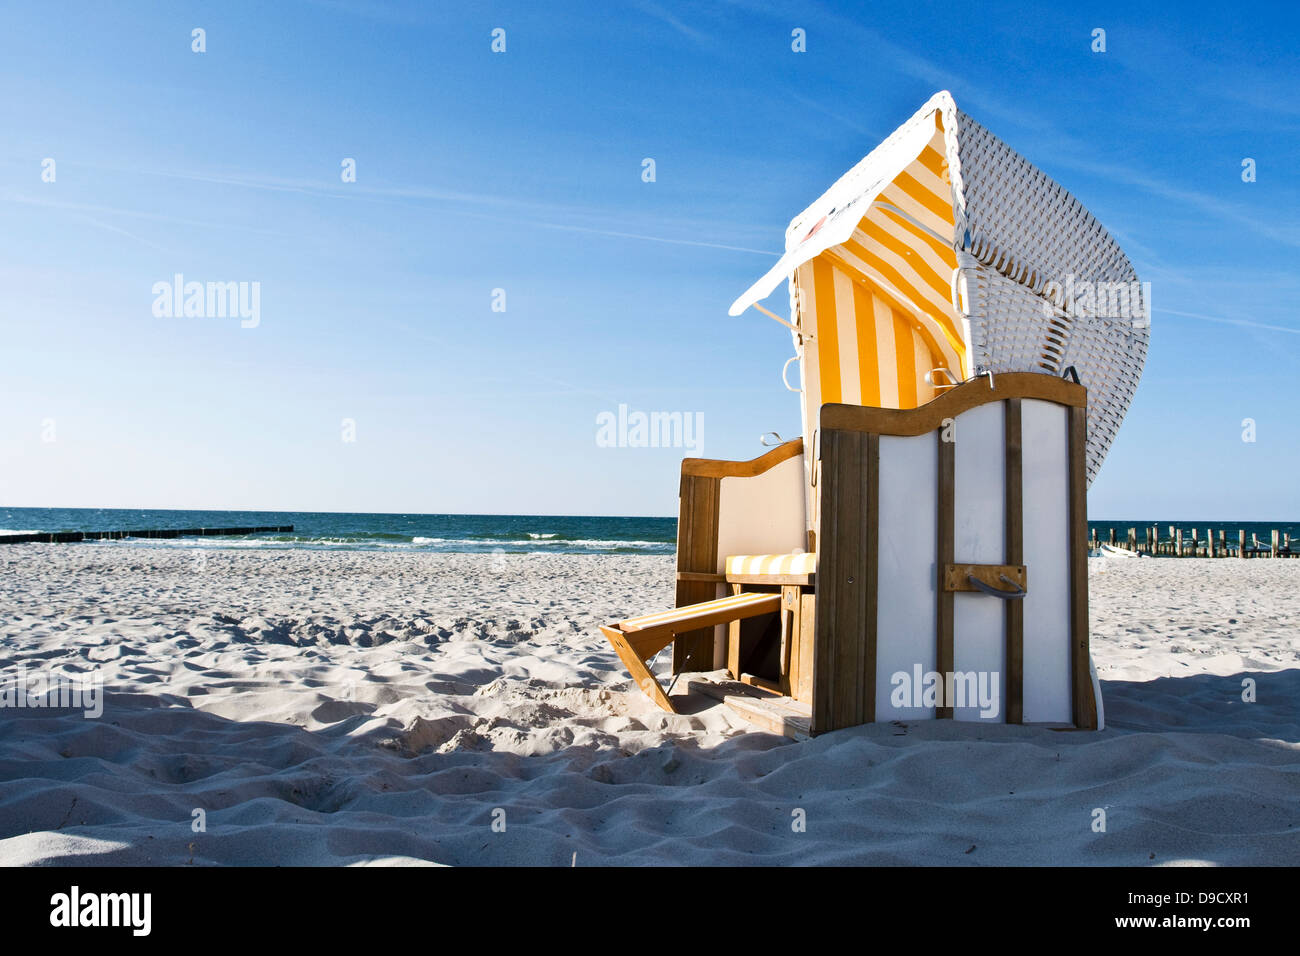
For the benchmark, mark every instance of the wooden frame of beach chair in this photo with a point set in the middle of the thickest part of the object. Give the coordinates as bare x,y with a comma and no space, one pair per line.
939,293
914,504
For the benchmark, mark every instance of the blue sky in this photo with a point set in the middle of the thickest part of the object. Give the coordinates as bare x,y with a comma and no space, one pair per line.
522,171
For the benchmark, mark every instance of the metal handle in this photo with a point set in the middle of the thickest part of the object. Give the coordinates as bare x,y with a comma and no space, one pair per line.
1015,594
786,368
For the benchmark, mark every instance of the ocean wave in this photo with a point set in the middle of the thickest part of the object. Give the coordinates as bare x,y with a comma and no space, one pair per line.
537,536
483,543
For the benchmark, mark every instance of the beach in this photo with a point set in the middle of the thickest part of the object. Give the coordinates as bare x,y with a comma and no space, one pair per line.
347,707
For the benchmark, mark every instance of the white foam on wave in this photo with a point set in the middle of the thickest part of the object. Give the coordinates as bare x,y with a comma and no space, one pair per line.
445,545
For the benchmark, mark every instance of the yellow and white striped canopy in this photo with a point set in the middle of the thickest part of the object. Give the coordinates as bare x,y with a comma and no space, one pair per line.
873,281
945,248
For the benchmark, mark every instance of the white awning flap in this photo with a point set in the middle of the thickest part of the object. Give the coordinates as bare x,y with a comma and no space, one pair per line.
837,223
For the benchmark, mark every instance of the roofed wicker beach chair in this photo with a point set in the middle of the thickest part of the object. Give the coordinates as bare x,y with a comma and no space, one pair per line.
969,339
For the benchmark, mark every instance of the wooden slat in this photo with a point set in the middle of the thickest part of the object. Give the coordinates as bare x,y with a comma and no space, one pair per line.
703,577
636,667
962,398
772,716
844,666
803,691
708,614
871,565
781,579
847,610
1015,554
722,689
697,552
646,644
733,643
1083,705
754,680
825,659
712,468
943,596
691,612
789,639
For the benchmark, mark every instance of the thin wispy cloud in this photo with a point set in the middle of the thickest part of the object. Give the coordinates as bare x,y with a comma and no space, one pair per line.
354,192
663,15
1163,61
82,212
87,210
1069,149
1221,320
664,239
119,231
879,49
1277,229
383,11
820,107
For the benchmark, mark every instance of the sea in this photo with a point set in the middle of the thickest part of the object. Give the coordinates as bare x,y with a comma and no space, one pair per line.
344,531
511,534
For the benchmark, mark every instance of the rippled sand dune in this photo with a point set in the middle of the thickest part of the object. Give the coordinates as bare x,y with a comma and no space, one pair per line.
348,707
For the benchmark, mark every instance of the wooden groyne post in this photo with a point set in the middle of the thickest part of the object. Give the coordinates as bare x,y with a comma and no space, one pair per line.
1194,546
64,537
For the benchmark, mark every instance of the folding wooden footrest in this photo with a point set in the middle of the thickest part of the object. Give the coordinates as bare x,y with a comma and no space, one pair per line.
638,639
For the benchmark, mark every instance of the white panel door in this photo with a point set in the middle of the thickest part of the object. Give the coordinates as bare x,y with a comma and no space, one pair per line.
907,553
1045,440
979,620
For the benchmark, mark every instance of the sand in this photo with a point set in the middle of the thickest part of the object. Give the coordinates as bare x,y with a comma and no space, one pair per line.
379,708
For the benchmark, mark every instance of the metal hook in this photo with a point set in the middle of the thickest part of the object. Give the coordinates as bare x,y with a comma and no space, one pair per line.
762,440
929,378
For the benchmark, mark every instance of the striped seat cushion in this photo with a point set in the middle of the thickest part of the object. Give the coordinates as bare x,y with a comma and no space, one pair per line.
797,563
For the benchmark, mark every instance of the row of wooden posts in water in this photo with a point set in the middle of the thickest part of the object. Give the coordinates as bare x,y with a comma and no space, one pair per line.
1176,545
63,537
